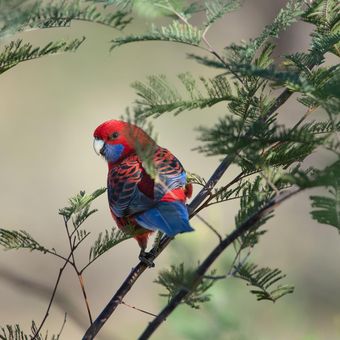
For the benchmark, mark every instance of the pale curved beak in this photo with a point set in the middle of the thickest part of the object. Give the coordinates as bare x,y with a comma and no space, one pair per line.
98,145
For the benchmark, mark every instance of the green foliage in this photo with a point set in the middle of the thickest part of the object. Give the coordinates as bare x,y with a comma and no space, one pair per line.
245,52
327,208
107,241
325,16
263,280
13,239
175,32
178,277
58,14
145,152
253,197
17,51
196,179
313,178
155,8
159,96
215,9
14,332
79,206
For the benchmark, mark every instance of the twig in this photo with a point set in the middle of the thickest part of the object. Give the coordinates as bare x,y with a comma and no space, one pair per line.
79,275
62,327
225,187
52,297
210,226
140,310
216,252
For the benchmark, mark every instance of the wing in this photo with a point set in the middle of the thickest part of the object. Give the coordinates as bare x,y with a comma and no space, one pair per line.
171,174
124,195
169,217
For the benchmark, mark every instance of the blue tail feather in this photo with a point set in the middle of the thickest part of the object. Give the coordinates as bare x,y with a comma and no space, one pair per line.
169,217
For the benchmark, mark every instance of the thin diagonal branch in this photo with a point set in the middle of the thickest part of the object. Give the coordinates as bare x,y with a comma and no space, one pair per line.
79,275
209,226
211,258
138,309
61,270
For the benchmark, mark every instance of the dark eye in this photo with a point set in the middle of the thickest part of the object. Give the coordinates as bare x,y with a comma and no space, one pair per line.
113,136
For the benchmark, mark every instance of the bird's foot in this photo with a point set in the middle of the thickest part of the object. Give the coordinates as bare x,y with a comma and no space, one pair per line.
147,258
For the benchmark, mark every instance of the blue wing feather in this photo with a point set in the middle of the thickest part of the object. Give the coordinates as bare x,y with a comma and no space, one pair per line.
169,217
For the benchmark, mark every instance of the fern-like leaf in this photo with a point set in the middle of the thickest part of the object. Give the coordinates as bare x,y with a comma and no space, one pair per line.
196,179
59,14
178,277
106,241
218,8
263,279
175,32
17,51
15,332
159,96
79,206
327,208
287,16
19,239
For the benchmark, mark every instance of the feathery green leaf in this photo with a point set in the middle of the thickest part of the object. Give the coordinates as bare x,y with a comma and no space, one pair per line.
178,277
19,239
17,51
263,279
175,32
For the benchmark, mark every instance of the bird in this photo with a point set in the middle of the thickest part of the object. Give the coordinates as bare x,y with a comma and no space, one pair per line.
137,199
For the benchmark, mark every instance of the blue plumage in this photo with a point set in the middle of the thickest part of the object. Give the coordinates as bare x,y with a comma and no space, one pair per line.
169,217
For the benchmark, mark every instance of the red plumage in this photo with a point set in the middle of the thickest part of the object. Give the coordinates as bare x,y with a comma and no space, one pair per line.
131,191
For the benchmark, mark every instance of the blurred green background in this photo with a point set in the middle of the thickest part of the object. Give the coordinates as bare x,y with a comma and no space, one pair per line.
48,111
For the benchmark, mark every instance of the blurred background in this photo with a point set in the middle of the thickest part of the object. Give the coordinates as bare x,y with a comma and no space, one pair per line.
49,109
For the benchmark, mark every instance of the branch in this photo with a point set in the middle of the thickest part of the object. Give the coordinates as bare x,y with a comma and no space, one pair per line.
137,271
36,335
216,252
80,277
210,226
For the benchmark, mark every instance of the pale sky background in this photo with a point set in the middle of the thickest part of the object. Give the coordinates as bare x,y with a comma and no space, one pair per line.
48,111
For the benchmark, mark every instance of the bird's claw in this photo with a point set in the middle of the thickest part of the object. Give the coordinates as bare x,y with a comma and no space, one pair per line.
147,258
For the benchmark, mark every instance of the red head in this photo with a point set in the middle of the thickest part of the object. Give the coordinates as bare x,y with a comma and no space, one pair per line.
116,140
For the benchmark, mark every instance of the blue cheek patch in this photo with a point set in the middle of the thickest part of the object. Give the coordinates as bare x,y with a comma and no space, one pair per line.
113,152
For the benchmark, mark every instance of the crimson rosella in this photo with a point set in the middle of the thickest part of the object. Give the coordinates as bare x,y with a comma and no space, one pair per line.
135,198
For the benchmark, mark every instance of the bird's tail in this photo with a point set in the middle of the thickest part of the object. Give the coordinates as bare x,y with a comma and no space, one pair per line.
169,217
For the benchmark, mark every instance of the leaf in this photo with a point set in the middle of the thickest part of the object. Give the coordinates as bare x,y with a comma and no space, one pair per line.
263,279
79,206
216,9
158,95
14,332
253,197
175,32
195,179
106,241
327,208
17,51
21,239
178,277
59,14
245,52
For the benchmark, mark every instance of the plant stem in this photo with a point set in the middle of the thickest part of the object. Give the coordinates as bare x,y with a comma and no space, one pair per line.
36,335
79,275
